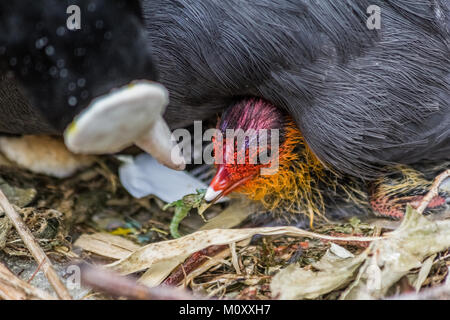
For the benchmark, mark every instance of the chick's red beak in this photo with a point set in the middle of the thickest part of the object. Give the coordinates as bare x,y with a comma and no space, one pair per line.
223,183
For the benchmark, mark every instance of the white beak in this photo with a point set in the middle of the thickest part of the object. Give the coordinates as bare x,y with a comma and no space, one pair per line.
211,194
126,116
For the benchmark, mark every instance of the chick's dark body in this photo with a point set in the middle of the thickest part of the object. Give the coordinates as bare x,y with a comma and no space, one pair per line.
362,98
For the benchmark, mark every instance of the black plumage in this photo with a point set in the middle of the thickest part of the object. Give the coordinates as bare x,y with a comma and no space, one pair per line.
48,73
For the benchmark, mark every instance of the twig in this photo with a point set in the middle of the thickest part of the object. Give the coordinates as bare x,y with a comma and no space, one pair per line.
13,288
434,191
34,248
437,293
119,286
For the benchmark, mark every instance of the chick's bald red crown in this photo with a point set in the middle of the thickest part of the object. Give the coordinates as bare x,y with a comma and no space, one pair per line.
249,133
